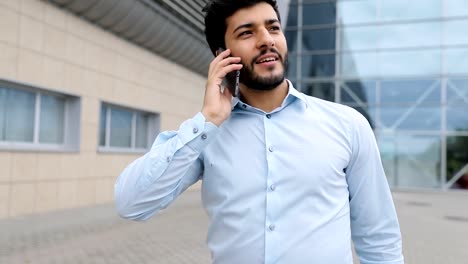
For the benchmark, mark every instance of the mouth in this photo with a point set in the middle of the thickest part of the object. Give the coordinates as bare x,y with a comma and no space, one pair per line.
267,59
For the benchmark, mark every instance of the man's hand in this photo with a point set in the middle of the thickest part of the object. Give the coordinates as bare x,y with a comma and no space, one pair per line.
217,103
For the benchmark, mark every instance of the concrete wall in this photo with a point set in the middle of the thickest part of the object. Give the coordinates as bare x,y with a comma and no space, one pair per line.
45,46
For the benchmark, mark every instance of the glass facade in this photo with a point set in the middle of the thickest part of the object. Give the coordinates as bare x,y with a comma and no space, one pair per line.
404,66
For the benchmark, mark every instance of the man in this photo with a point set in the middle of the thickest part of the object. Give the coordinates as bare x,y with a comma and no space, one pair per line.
286,178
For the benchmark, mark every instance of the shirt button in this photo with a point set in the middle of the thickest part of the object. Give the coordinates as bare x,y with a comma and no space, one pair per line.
244,105
272,227
270,149
272,187
168,159
204,136
268,116
195,130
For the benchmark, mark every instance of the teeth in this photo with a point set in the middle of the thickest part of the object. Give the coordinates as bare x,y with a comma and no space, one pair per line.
267,60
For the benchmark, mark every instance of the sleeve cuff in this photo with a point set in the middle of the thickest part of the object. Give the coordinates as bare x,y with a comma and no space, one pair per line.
197,133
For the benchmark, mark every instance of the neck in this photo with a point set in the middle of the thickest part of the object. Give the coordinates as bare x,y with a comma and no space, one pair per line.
264,100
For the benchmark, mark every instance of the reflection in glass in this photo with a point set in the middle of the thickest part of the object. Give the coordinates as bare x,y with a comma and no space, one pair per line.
18,115
452,34
318,39
409,91
292,16
102,126
322,90
359,11
457,159
318,66
457,118
409,35
456,8
456,61
414,9
141,131
359,64
292,66
411,161
353,38
52,118
410,63
291,38
358,92
3,112
457,92
121,128
422,118
319,13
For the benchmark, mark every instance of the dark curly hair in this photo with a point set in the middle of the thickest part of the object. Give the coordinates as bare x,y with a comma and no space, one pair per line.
217,11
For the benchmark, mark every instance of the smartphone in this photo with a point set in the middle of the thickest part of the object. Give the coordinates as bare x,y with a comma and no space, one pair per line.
231,80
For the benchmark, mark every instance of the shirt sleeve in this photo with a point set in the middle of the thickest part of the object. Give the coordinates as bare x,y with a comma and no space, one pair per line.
154,180
374,224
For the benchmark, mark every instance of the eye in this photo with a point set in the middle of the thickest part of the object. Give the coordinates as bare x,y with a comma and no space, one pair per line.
245,33
275,28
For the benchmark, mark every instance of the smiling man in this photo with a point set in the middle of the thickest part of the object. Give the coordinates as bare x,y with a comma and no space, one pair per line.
286,178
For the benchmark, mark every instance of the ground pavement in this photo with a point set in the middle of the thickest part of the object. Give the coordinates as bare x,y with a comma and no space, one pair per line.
434,227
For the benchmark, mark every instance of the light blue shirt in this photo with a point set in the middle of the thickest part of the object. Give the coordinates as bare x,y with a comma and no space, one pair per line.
291,186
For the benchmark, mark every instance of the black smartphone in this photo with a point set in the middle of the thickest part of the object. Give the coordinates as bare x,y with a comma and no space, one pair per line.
231,80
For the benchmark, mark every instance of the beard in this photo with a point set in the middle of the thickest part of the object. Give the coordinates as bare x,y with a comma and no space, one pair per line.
263,83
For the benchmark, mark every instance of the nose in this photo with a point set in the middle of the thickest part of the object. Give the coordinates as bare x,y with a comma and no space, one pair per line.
265,39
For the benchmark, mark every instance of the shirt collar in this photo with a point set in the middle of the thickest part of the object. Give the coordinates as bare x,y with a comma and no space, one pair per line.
290,97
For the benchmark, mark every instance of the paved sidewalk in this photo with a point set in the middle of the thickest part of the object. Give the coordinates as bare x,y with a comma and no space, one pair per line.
434,227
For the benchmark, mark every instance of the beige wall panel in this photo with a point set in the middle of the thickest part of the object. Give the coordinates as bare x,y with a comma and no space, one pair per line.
8,61
90,80
55,42
31,33
4,200
55,17
46,196
5,167
87,165
33,8
48,166
125,93
30,66
15,5
92,55
67,194
74,78
172,122
104,190
89,137
91,109
23,166
9,25
54,73
70,167
75,49
104,86
86,192
106,62
22,199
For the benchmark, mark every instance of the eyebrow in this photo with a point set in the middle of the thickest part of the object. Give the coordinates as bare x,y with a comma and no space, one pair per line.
250,25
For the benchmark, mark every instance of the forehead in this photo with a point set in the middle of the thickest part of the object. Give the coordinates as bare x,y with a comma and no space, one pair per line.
256,14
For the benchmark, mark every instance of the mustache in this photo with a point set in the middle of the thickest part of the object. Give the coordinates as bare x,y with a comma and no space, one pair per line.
263,52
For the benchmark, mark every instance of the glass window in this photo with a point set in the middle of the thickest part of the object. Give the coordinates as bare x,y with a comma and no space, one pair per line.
359,64
33,119
457,92
292,16
319,13
409,35
415,118
52,119
291,38
410,63
456,61
292,66
128,130
120,128
411,161
452,32
17,110
359,11
414,9
354,38
457,118
318,66
358,92
457,159
322,90
456,8
318,39
410,91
